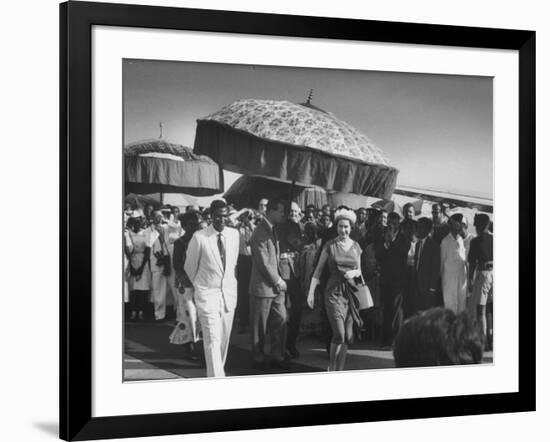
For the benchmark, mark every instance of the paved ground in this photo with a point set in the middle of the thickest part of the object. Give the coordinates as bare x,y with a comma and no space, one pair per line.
149,355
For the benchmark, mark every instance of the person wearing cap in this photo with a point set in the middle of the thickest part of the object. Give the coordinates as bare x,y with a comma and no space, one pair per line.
291,243
210,264
138,275
480,275
342,255
454,265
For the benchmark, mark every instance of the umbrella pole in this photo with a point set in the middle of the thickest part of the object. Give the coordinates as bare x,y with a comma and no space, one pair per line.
162,197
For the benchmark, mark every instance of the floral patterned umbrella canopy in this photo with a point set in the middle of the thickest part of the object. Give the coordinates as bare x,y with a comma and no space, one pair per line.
160,166
296,143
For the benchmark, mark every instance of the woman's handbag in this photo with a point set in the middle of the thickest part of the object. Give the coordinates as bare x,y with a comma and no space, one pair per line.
362,294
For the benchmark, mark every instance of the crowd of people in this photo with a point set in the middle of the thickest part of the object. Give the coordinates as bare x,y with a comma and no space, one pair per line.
364,273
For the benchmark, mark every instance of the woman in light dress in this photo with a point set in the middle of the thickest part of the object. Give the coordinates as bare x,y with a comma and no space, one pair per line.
343,257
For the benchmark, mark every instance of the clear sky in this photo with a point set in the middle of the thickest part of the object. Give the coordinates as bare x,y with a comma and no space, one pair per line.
436,129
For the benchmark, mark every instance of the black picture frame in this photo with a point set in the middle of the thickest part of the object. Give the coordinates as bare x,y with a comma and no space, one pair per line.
76,21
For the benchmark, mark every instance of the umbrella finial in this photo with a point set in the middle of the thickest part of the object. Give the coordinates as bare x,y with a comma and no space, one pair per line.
160,126
309,96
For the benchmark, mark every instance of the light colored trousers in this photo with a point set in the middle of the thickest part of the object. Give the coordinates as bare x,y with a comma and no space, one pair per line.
158,294
216,327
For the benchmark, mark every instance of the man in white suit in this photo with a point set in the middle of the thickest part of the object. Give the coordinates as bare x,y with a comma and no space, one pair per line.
210,265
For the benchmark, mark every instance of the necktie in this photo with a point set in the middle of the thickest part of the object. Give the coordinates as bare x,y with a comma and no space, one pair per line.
221,249
276,239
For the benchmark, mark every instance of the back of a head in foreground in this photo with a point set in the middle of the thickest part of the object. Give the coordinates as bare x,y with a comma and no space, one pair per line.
438,337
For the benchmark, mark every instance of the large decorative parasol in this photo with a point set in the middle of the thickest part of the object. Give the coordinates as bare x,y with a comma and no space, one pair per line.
247,191
140,201
297,143
159,166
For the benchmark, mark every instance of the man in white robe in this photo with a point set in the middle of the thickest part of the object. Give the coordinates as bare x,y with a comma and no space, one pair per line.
159,280
454,265
210,264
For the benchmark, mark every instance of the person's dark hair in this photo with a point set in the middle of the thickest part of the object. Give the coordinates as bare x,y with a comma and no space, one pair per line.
438,337
481,221
273,204
188,217
438,205
217,204
425,223
394,216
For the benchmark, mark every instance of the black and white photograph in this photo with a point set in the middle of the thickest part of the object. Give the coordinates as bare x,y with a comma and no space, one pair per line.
271,221
284,220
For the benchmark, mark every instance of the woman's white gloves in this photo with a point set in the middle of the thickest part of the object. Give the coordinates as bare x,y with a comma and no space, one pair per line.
311,293
350,274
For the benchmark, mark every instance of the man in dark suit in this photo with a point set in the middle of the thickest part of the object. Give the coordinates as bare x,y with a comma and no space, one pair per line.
267,289
427,264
